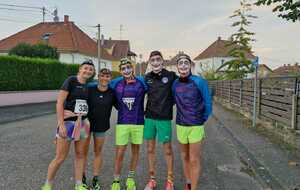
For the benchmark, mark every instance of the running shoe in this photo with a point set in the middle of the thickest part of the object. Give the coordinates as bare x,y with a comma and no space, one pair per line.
95,185
130,184
116,185
169,185
151,185
46,187
81,187
84,181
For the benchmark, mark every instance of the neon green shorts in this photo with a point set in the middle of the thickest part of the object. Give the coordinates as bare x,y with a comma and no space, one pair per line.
163,129
126,133
190,134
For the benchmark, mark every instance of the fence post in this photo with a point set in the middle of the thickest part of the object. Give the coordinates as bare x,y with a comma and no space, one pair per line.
241,92
294,105
259,97
230,91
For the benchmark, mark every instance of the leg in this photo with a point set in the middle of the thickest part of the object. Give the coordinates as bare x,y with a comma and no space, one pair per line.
79,159
195,154
86,152
120,151
135,149
151,157
98,144
169,159
136,134
62,150
184,148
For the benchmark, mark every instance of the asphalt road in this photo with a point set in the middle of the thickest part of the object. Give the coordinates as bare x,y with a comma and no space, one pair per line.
26,149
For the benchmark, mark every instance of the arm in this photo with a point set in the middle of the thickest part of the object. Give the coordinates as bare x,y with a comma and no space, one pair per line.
115,102
206,97
62,96
142,79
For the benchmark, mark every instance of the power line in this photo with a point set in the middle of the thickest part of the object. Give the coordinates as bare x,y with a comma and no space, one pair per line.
22,10
17,21
20,6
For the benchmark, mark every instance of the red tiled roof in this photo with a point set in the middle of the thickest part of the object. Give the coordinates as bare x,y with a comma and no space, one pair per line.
117,48
261,66
67,37
219,49
287,69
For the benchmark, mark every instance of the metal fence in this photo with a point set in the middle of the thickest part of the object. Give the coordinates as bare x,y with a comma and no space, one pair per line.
277,99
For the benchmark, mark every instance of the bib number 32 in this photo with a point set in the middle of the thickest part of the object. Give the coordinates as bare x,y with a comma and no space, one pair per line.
81,107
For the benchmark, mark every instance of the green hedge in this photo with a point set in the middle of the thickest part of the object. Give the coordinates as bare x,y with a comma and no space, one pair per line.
21,73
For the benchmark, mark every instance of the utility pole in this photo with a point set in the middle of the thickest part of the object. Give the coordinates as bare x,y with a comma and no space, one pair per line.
99,47
255,63
44,13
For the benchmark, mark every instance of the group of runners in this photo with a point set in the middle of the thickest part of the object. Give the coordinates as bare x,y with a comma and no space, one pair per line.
84,110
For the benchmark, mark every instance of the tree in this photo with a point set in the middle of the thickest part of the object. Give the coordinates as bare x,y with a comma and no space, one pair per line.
240,45
38,50
287,9
211,75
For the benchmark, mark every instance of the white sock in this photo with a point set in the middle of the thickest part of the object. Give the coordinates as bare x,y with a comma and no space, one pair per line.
48,183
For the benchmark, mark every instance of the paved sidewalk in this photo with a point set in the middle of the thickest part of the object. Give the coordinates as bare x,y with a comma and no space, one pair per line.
27,97
276,167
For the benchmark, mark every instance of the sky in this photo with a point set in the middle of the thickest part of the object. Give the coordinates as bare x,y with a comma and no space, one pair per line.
166,25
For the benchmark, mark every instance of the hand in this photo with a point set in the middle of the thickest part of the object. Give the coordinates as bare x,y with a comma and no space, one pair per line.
62,131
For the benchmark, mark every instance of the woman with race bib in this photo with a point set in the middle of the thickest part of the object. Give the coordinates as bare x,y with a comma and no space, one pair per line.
72,123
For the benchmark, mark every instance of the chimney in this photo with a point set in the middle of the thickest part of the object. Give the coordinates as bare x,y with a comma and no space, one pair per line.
219,38
66,18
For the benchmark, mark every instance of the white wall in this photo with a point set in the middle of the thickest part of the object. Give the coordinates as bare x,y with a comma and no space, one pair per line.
79,58
210,64
3,53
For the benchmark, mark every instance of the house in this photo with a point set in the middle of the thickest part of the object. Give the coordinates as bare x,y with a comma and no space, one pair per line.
115,50
215,55
262,71
287,70
73,45
171,64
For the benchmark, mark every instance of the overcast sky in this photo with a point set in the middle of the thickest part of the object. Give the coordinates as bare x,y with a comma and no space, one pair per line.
166,25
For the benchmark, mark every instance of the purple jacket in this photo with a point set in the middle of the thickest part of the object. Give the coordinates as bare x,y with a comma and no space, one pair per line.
130,98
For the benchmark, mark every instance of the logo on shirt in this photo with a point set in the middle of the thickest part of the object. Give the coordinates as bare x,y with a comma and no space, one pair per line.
101,96
165,80
149,81
129,102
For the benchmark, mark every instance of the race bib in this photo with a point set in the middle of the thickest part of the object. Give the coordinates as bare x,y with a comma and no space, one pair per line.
81,107
129,102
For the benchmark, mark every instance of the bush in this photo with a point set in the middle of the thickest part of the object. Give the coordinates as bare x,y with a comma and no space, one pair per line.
38,50
19,73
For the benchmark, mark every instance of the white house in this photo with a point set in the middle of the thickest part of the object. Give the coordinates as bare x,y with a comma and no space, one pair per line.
214,56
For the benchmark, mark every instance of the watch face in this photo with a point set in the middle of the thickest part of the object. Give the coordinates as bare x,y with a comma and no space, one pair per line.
165,80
